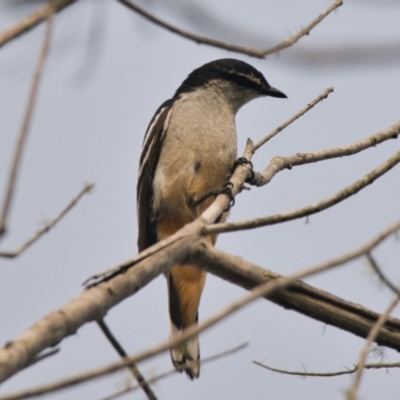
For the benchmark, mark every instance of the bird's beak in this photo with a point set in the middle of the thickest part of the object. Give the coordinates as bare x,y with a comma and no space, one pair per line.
271,91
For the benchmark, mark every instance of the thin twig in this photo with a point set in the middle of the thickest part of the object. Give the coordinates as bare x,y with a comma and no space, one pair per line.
264,290
132,367
12,254
44,355
305,31
329,374
33,20
381,275
352,394
308,107
26,123
179,368
308,210
359,252
109,273
232,47
278,164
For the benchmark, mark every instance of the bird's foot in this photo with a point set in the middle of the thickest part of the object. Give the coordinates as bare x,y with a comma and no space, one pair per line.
244,161
225,189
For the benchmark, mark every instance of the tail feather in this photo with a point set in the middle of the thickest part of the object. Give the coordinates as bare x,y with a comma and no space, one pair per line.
187,352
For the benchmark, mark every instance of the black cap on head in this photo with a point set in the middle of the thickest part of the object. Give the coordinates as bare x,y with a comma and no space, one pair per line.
232,70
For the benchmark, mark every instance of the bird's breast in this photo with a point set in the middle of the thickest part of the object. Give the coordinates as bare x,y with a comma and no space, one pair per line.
198,152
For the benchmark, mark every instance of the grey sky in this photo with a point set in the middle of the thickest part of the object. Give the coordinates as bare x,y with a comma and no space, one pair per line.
108,72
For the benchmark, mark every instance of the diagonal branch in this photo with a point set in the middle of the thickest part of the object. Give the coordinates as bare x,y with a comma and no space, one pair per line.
9,193
91,305
281,127
298,296
273,287
132,367
352,394
94,303
381,275
278,164
15,253
32,20
232,47
338,197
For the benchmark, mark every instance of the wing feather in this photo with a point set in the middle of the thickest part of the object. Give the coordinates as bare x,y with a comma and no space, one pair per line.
149,157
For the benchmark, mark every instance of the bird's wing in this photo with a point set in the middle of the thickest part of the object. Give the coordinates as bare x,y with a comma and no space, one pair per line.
149,157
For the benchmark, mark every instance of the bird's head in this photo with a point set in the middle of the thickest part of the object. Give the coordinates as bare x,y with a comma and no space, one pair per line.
238,81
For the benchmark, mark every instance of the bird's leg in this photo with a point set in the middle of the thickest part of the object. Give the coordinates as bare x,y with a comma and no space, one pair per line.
225,189
243,161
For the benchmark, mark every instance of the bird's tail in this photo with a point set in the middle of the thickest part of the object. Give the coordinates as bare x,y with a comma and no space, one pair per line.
187,353
185,285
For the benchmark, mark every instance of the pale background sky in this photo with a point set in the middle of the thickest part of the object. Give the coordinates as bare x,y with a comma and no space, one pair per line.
107,73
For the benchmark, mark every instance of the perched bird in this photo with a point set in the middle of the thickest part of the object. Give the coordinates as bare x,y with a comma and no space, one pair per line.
189,149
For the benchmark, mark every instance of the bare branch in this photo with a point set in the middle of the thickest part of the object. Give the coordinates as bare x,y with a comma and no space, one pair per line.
329,374
90,305
381,275
12,254
227,267
232,47
132,367
308,107
279,163
34,19
352,394
288,292
311,209
305,31
110,273
298,296
178,248
26,122
242,173
177,369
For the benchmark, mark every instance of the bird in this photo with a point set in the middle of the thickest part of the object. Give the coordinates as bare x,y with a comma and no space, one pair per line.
189,150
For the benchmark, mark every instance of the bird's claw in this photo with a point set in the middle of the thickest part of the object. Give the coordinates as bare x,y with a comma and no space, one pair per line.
225,189
244,161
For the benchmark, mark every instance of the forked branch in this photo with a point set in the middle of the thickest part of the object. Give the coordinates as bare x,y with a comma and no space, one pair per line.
330,201
232,47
